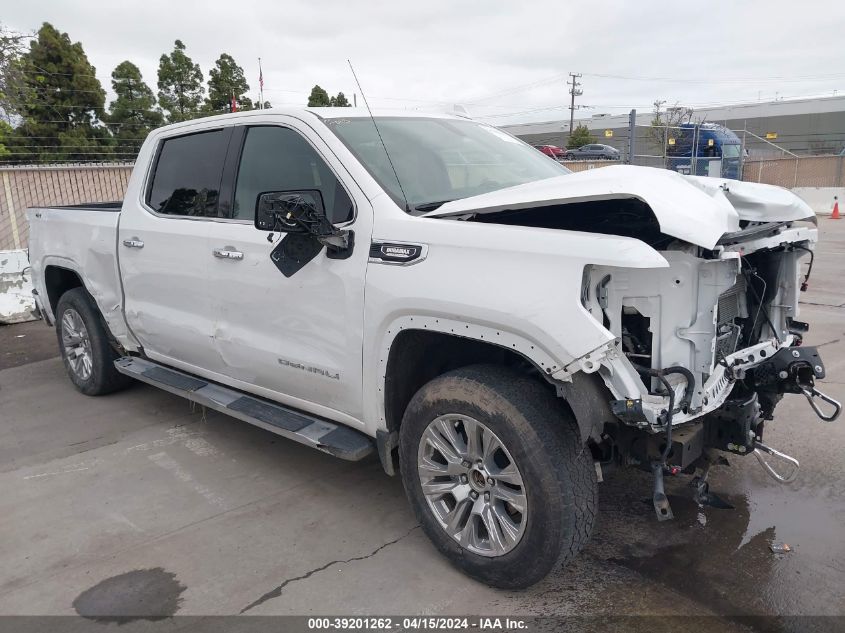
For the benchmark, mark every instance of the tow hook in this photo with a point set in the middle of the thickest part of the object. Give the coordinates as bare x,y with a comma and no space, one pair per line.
811,392
795,370
760,448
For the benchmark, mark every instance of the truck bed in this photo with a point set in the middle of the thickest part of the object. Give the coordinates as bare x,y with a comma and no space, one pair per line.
81,238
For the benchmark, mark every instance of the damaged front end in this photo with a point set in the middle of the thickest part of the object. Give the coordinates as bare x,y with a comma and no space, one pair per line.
700,351
705,349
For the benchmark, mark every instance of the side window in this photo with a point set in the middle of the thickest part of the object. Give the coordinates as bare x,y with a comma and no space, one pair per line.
187,174
279,159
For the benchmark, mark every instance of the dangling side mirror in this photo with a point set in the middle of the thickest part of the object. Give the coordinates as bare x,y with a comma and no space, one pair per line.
302,215
289,211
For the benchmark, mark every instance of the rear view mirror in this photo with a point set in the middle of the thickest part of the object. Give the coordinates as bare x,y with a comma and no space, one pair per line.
288,211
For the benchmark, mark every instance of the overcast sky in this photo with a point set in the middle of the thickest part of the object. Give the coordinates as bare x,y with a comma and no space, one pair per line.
503,60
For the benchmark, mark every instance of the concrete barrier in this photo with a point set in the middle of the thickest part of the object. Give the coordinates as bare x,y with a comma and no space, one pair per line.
16,301
820,199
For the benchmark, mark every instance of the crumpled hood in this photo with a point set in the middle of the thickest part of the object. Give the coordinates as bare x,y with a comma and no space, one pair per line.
755,202
696,209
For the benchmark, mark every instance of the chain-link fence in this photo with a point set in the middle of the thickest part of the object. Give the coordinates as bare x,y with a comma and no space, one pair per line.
45,185
796,171
709,149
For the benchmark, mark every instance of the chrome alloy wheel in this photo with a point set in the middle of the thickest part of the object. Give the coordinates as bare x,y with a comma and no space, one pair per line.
472,485
77,344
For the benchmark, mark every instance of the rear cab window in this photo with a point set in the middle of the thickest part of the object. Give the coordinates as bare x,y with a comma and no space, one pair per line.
187,174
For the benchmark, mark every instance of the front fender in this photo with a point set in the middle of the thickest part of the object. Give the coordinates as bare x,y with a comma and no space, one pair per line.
517,287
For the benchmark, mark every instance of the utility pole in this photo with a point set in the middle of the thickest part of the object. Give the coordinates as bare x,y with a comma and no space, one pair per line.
260,86
575,91
632,136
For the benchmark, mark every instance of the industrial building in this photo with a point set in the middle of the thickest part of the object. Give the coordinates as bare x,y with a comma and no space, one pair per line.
805,126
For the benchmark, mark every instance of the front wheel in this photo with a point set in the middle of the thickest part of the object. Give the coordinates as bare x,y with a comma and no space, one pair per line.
84,344
497,474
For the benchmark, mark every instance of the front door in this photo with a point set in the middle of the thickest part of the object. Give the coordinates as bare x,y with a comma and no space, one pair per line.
296,339
164,250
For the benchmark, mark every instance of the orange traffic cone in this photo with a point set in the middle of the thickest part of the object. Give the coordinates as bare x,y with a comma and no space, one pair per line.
835,215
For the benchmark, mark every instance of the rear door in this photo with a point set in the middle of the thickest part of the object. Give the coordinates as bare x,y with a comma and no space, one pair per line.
164,250
295,339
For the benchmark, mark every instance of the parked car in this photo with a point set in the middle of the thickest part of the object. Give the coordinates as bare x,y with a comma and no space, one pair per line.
593,151
384,285
552,151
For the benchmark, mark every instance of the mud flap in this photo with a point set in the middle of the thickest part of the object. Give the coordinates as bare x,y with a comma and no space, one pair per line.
589,399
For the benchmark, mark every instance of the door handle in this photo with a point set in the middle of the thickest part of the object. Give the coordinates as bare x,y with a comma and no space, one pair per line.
227,253
133,242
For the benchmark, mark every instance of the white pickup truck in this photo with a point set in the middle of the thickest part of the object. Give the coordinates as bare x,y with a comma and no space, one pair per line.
498,329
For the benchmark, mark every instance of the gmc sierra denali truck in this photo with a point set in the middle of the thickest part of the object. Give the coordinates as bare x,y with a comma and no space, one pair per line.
431,289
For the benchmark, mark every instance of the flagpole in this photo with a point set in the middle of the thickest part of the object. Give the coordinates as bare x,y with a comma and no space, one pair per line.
260,86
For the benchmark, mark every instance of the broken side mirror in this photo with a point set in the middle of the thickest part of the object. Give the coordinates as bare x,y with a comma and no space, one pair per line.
302,215
289,211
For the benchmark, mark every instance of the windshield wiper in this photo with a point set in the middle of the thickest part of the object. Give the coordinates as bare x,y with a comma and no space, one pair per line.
430,206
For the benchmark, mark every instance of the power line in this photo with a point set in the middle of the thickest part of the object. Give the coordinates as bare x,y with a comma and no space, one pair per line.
724,80
74,153
68,147
514,89
507,114
628,106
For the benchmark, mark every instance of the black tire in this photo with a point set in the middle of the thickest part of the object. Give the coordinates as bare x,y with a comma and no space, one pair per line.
557,469
102,378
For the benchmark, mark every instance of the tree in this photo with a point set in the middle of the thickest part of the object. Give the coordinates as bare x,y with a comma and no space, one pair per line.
5,132
60,118
133,113
179,85
12,85
225,81
318,98
580,136
340,101
662,122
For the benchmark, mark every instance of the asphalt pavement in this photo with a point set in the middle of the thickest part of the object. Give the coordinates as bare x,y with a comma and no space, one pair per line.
138,503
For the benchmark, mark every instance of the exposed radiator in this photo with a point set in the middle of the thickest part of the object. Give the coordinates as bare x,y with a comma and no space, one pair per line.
729,308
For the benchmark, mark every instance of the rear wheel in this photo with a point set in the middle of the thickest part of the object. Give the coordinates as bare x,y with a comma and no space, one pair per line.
84,344
497,474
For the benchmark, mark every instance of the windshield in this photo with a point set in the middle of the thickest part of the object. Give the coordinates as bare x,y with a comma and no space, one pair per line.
439,160
730,151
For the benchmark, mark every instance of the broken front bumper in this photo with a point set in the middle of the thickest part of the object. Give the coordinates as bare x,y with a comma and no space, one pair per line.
649,410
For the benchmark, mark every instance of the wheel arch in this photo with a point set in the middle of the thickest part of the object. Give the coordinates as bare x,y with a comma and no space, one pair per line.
58,280
418,349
